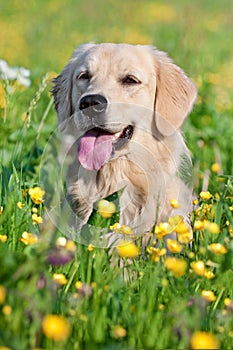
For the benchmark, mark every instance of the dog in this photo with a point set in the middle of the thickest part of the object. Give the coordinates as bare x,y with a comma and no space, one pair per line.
120,108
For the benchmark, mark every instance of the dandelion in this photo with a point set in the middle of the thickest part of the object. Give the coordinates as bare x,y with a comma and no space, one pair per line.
198,267
56,327
174,246
20,205
28,238
217,248
174,204
208,295
177,266
37,219
216,167
127,249
36,194
3,238
204,340
156,253
205,195
60,278
2,294
118,332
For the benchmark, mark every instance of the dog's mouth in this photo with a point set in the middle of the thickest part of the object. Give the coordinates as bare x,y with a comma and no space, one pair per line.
97,145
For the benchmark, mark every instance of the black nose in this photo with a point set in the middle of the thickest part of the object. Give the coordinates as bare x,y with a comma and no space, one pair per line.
93,104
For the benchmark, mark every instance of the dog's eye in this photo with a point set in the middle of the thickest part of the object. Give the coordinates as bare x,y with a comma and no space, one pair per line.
130,80
84,76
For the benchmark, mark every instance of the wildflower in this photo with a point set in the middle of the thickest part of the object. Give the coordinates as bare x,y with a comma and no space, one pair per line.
84,289
20,205
58,256
200,225
56,327
34,210
209,274
20,74
208,295
205,195
61,242
174,204
195,202
162,230
7,310
185,237
198,267
156,253
60,278
212,227
1,210
37,219
118,332
90,248
174,246
28,238
36,194
2,97
204,340
175,265
70,246
216,167
217,248
3,238
127,249
123,229
106,208
227,301
2,294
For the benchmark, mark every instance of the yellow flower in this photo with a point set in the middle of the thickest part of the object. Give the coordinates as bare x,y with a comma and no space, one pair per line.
2,294
28,238
118,332
195,201
36,194
4,348
91,247
127,249
35,210
212,227
174,246
216,167
198,267
175,265
3,238
106,208
78,285
217,248
162,230
200,225
124,229
56,327
156,253
2,97
7,310
20,205
70,246
174,204
205,195
208,295
184,237
37,219
204,341
60,278
1,210
227,301
209,274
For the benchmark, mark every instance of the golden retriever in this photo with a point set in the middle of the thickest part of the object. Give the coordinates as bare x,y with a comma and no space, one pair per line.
120,108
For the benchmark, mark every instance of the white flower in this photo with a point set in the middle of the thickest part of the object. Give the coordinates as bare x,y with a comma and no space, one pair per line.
15,73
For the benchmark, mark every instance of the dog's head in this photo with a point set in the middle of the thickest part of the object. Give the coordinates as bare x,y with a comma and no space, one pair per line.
113,89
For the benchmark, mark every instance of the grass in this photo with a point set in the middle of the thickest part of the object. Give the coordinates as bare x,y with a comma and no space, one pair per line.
150,302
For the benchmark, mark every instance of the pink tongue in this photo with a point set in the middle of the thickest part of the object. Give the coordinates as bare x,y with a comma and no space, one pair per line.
95,149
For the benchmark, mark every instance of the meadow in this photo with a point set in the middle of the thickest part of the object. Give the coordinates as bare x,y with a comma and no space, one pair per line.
56,293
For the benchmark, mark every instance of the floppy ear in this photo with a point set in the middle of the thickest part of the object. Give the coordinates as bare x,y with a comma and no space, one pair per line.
175,95
62,89
62,92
